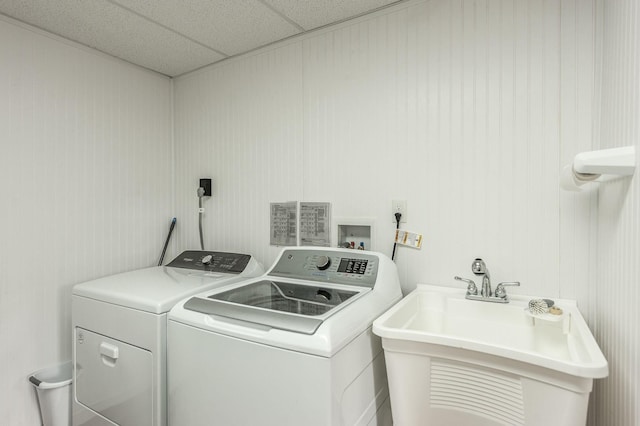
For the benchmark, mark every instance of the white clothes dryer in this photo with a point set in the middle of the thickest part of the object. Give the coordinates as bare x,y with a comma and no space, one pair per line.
119,326
292,347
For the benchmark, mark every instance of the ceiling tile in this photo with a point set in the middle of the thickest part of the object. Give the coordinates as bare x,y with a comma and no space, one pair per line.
312,14
175,37
113,30
230,27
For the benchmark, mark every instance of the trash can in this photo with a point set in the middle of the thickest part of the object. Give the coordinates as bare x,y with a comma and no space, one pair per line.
53,387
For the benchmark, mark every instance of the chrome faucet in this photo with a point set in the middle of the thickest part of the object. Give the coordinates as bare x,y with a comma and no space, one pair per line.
479,268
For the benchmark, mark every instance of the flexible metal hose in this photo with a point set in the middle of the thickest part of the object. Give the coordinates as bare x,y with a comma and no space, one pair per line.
200,214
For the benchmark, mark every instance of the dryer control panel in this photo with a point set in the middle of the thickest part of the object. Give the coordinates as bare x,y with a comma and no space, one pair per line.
350,267
211,261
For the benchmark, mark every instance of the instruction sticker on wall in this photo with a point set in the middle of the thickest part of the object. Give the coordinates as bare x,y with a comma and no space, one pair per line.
407,238
284,224
315,224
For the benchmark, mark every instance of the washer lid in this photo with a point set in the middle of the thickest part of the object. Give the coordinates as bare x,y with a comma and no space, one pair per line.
300,308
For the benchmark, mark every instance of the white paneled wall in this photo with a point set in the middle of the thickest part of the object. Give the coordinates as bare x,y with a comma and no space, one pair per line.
466,109
578,122
615,295
240,124
86,191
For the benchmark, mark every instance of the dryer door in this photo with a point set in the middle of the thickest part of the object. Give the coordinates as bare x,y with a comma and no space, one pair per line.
113,378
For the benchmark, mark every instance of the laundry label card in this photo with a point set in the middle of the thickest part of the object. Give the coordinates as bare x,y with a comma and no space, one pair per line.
407,238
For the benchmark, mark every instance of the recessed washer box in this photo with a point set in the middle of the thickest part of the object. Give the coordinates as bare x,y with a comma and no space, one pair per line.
356,230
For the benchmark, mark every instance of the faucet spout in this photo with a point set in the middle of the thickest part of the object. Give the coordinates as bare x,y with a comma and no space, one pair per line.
478,267
486,285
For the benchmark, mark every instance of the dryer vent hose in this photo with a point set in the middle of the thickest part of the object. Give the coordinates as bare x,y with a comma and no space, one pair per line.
166,243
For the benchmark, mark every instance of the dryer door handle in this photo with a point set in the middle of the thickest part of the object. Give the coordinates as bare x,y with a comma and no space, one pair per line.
109,354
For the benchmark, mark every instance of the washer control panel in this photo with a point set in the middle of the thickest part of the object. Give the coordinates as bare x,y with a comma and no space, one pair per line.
211,261
328,266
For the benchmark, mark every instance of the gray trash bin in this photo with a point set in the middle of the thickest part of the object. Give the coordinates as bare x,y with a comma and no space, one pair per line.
53,387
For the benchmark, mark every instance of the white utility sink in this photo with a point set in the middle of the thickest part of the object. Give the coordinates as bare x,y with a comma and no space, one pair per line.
456,361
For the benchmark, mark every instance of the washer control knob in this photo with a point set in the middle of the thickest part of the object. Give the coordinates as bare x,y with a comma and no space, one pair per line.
207,260
323,262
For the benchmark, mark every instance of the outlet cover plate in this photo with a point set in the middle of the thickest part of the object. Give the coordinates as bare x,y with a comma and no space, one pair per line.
399,206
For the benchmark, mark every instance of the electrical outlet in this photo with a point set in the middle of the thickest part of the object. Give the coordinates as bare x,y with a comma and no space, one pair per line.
205,184
399,206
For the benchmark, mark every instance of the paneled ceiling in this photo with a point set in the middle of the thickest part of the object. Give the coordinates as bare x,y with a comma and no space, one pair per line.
173,37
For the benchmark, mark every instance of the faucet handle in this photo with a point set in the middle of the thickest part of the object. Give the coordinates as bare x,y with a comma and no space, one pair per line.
501,292
471,286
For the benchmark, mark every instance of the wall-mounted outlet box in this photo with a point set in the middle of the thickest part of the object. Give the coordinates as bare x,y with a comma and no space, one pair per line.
399,206
205,184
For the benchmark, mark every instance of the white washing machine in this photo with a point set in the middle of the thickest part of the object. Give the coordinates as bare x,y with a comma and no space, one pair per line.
120,324
293,347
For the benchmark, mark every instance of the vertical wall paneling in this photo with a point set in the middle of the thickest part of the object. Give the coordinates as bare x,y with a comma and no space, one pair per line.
577,122
466,109
241,124
85,191
615,290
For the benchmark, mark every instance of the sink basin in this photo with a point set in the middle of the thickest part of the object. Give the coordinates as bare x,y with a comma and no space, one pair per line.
480,353
441,315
